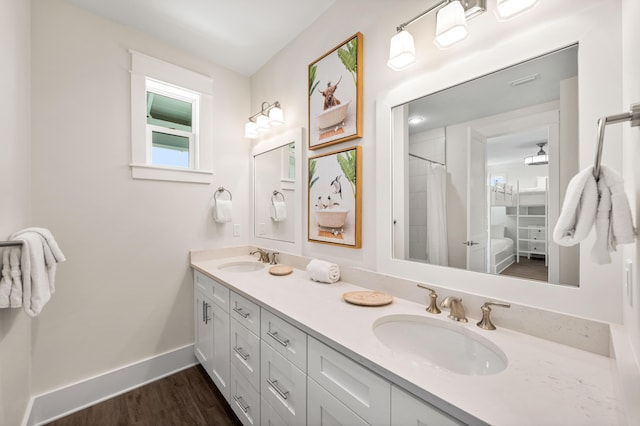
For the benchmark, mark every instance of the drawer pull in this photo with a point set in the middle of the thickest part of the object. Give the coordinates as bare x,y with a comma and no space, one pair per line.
206,307
238,400
274,385
238,350
241,313
274,335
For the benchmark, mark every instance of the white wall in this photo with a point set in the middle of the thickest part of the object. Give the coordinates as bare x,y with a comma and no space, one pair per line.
125,292
631,141
15,325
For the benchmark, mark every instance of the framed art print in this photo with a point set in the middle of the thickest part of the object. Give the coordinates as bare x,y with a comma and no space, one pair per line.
335,198
335,94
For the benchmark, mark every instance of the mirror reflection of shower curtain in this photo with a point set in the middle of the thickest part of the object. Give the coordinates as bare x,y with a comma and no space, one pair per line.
437,247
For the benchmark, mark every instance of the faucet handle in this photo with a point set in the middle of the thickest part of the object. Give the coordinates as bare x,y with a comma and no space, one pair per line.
485,323
274,259
433,304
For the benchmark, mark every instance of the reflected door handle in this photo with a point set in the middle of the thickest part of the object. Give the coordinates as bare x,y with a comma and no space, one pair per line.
470,243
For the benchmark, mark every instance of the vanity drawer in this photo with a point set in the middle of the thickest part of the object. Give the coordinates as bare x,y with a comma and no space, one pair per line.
218,293
245,353
325,409
245,400
406,409
246,312
360,389
269,416
286,339
283,386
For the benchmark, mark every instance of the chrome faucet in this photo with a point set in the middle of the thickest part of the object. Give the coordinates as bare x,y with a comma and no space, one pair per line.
456,309
264,256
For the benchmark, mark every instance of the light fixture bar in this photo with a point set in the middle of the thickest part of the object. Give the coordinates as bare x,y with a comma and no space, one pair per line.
269,115
472,8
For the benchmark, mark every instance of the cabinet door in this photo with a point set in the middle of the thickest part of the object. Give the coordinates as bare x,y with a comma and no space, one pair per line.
325,410
220,362
283,386
245,400
203,347
245,353
408,410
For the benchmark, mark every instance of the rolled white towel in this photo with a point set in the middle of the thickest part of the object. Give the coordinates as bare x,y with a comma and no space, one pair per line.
222,211
322,271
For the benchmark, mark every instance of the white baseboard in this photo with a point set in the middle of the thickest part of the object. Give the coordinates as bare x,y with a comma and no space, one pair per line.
61,402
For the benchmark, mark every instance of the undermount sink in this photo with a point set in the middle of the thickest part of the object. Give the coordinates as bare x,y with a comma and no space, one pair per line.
241,266
437,343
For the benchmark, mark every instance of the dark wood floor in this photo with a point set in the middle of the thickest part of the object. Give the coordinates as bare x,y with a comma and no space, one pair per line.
188,397
531,269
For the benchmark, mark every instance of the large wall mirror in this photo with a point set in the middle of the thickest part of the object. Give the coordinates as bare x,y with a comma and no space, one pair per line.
276,191
480,170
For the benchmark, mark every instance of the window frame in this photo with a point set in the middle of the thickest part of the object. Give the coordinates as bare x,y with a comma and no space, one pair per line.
179,83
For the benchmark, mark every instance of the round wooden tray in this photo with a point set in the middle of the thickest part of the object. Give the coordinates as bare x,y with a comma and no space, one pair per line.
280,270
368,298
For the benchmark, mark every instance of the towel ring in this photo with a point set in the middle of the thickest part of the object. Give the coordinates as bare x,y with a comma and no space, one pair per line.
222,190
274,197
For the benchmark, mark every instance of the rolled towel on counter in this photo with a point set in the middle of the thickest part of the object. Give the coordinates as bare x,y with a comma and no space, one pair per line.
322,271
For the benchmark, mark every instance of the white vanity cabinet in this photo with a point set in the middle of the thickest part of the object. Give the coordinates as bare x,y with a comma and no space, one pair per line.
283,369
245,359
212,337
352,391
406,409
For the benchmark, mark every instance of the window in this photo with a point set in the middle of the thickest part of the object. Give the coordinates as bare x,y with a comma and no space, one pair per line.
170,141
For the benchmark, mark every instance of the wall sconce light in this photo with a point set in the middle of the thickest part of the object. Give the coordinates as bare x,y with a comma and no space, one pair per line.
451,26
506,9
269,115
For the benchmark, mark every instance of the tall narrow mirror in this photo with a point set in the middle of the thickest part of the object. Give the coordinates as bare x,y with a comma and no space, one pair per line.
276,191
480,170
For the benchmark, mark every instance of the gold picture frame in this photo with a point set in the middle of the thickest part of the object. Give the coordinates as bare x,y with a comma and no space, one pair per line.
335,94
334,213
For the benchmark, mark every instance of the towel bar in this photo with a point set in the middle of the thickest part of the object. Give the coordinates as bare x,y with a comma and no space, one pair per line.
10,243
633,116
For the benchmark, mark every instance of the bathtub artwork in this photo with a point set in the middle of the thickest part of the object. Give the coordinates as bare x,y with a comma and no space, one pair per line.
335,200
335,94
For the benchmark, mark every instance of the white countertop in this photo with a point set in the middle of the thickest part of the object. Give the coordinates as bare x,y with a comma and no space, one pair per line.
545,383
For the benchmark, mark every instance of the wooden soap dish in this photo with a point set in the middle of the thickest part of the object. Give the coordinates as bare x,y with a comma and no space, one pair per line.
368,298
280,270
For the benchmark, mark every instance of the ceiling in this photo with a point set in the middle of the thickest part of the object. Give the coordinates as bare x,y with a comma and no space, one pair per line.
241,35
494,94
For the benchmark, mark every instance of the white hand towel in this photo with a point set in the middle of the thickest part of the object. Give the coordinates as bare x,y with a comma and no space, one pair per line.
50,241
38,264
321,271
222,211
579,209
15,299
5,282
278,211
613,222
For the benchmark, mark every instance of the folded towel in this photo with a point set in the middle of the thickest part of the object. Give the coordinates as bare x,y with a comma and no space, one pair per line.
321,271
613,221
5,282
278,211
11,281
222,211
578,210
39,257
